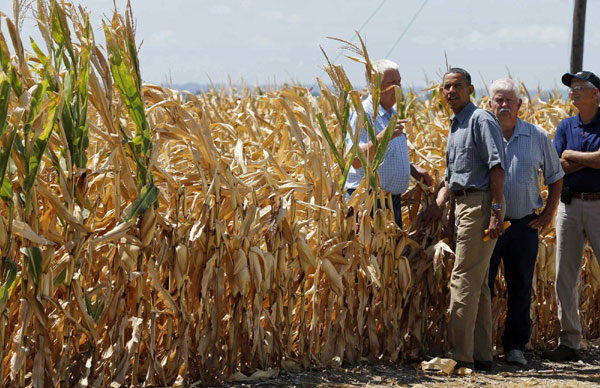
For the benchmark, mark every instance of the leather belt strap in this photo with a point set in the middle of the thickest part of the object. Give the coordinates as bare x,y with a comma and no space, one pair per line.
587,196
466,191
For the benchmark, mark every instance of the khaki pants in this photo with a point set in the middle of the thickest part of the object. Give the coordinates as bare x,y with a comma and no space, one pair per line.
470,330
575,223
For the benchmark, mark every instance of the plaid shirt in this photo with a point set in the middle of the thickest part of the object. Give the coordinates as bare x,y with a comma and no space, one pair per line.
528,151
394,171
474,147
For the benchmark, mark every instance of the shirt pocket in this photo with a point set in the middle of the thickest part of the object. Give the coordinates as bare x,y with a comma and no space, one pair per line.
463,159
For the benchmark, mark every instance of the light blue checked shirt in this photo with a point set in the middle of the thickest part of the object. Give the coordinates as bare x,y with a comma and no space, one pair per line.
527,151
394,172
474,147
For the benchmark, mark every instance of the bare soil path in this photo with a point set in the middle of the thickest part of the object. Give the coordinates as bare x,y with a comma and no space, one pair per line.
539,373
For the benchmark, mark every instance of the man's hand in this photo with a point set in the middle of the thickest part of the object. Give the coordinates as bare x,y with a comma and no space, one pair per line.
496,227
568,154
420,174
399,130
432,214
542,221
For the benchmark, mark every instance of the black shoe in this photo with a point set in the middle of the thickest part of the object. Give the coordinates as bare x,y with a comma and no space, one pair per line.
561,353
463,364
483,366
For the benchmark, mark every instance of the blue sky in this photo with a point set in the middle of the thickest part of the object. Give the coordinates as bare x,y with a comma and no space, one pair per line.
276,41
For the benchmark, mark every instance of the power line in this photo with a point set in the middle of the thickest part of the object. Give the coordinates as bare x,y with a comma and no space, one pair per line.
406,29
354,36
363,26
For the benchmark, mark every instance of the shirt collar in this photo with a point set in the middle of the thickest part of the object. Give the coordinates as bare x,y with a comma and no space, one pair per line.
464,113
595,120
521,128
381,111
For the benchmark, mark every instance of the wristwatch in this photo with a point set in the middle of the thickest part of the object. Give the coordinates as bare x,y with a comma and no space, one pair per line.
496,206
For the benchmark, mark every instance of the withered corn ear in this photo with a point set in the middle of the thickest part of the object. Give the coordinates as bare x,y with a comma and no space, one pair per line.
486,233
148,227
333,277
181,264
3,234
129,256
305,253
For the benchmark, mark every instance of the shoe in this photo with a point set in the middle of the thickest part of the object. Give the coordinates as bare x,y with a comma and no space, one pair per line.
516,357
561,353
463,364
483,366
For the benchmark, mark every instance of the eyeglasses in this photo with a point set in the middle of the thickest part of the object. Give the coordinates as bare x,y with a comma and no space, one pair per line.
578,88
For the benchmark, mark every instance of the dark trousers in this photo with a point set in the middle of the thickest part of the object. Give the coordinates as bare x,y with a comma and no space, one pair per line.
517,248
396,204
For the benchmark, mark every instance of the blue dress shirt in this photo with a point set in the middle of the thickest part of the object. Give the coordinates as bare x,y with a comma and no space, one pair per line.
528,151
394,171
474,147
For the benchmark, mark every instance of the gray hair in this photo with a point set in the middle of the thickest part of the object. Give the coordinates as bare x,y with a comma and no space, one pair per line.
505,84
589,85
380,66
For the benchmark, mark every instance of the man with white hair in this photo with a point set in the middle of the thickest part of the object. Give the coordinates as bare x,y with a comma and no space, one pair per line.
395,170
527,149
577,141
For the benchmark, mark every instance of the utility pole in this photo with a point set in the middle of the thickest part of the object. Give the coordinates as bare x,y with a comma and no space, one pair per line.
578,35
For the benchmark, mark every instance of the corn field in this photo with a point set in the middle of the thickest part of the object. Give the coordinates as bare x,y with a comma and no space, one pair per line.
152,237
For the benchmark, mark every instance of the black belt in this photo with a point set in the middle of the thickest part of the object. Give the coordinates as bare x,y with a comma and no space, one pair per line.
587,196
527,218
466,191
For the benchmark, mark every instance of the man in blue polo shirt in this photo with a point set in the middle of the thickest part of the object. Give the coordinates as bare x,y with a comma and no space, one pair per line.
395,170
577,141
528,149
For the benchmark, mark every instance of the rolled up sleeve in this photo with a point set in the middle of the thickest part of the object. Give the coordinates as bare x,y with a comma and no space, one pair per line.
552,169
491,149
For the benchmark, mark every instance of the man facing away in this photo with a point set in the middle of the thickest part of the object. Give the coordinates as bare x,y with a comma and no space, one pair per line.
475,177
577,141
528,149
395,170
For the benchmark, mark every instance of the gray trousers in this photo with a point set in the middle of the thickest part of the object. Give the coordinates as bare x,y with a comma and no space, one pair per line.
575,223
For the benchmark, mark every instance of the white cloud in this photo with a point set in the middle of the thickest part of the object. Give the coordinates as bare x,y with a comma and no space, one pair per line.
162,39
220,9
279,16
511,35
533,34
247,4
424,40
477,40
273,15
263,42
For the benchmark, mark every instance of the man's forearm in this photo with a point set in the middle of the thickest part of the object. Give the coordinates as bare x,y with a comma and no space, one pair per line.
570,167
367,149
443,194
587,159
554,190
497,183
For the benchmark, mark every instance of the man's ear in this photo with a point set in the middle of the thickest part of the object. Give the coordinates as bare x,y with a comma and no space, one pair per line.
471,89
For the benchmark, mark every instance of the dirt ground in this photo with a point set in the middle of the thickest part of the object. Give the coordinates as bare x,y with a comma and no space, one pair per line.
539,373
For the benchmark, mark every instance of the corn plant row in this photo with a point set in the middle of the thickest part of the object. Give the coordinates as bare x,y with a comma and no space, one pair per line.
151,237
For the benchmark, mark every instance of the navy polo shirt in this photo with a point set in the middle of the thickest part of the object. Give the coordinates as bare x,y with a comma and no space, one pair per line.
573,134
